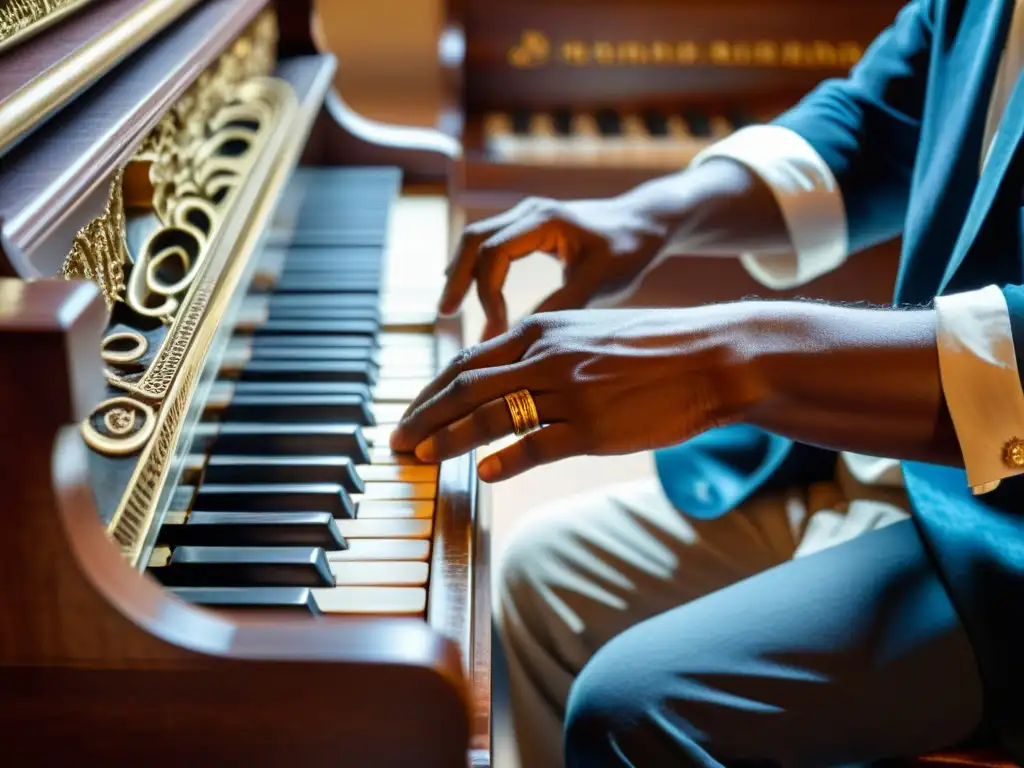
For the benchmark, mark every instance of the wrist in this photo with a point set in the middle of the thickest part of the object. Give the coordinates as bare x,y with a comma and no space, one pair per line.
719,208
743,343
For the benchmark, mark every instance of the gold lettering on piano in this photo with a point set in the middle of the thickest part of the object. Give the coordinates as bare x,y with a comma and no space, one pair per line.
532,50
535,49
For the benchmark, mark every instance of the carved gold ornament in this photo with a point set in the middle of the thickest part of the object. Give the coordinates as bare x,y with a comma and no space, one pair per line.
196,180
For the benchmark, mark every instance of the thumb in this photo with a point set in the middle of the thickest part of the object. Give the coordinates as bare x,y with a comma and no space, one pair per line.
567,297
578,290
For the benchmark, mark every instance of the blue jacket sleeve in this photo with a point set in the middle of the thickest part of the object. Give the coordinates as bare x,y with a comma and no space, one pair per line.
866,127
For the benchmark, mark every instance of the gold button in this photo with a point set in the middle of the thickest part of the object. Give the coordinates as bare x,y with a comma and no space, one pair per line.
1013,452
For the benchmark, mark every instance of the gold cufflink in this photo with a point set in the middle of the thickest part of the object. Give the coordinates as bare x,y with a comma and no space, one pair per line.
1013,452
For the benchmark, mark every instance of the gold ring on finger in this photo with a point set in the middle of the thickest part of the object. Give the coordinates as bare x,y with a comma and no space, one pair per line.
523,411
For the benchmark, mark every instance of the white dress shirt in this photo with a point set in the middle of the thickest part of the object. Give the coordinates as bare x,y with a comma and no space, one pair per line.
976,353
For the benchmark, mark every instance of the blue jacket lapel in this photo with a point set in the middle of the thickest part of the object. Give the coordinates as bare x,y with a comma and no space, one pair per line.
1008,138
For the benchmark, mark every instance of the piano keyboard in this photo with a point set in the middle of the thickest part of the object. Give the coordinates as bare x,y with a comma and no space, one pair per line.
607,137
291,499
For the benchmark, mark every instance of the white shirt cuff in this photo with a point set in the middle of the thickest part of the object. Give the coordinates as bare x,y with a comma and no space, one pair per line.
807,194
981,383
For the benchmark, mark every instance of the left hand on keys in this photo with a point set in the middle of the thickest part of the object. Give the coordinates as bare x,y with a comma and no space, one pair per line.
602,381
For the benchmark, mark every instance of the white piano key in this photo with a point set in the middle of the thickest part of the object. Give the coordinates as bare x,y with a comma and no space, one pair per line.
405,601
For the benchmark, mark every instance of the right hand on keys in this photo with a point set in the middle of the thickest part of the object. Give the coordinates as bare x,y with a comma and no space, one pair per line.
603,245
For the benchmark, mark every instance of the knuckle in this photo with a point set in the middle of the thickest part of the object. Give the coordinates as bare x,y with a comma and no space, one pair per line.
461,360
477,229
462,384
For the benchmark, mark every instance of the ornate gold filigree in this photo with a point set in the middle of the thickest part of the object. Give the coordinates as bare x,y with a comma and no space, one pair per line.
100,251
18,17
208,172
207,300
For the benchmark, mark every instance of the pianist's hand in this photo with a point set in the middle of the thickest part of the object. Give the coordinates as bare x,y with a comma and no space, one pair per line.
604,381
603,245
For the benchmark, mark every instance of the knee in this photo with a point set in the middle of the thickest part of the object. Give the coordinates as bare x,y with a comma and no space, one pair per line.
602,702
616,714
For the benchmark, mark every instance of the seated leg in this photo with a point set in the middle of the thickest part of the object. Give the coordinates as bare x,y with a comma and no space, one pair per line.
846,656
581,572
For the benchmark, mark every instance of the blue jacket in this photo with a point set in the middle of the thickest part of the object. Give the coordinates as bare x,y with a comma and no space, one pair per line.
903,135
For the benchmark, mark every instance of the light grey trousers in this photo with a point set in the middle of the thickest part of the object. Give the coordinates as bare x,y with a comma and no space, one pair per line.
805,629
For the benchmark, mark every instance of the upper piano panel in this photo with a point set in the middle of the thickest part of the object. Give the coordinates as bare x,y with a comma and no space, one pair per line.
51,50
78,99
645,53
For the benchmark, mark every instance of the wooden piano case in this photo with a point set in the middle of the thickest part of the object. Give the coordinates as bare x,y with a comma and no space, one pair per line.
195,113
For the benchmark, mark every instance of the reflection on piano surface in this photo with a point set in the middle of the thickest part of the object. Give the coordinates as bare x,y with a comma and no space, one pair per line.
632,90
220,298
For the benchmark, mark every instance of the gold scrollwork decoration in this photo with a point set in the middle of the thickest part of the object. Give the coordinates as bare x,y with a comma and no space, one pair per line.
124,434
113,350
99,252
204,176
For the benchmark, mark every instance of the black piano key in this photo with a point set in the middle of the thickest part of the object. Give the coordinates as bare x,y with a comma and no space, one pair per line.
246,567
262,438
562,119
608,122
325,299
319,341
327,327
371,300
275,497
286,351
358,236
354,271
655,122
335,259
259,369
306,284
295,408
299,599
322,312
284,469
740,118
521,119
697,123
303,388
254,529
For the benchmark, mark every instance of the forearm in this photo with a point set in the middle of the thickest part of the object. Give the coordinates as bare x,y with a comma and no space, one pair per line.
719,208
863,380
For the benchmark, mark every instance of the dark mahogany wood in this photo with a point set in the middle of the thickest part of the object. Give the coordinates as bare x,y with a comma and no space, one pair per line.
343,137
28,63
296,24
47,176
494,29
460,578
